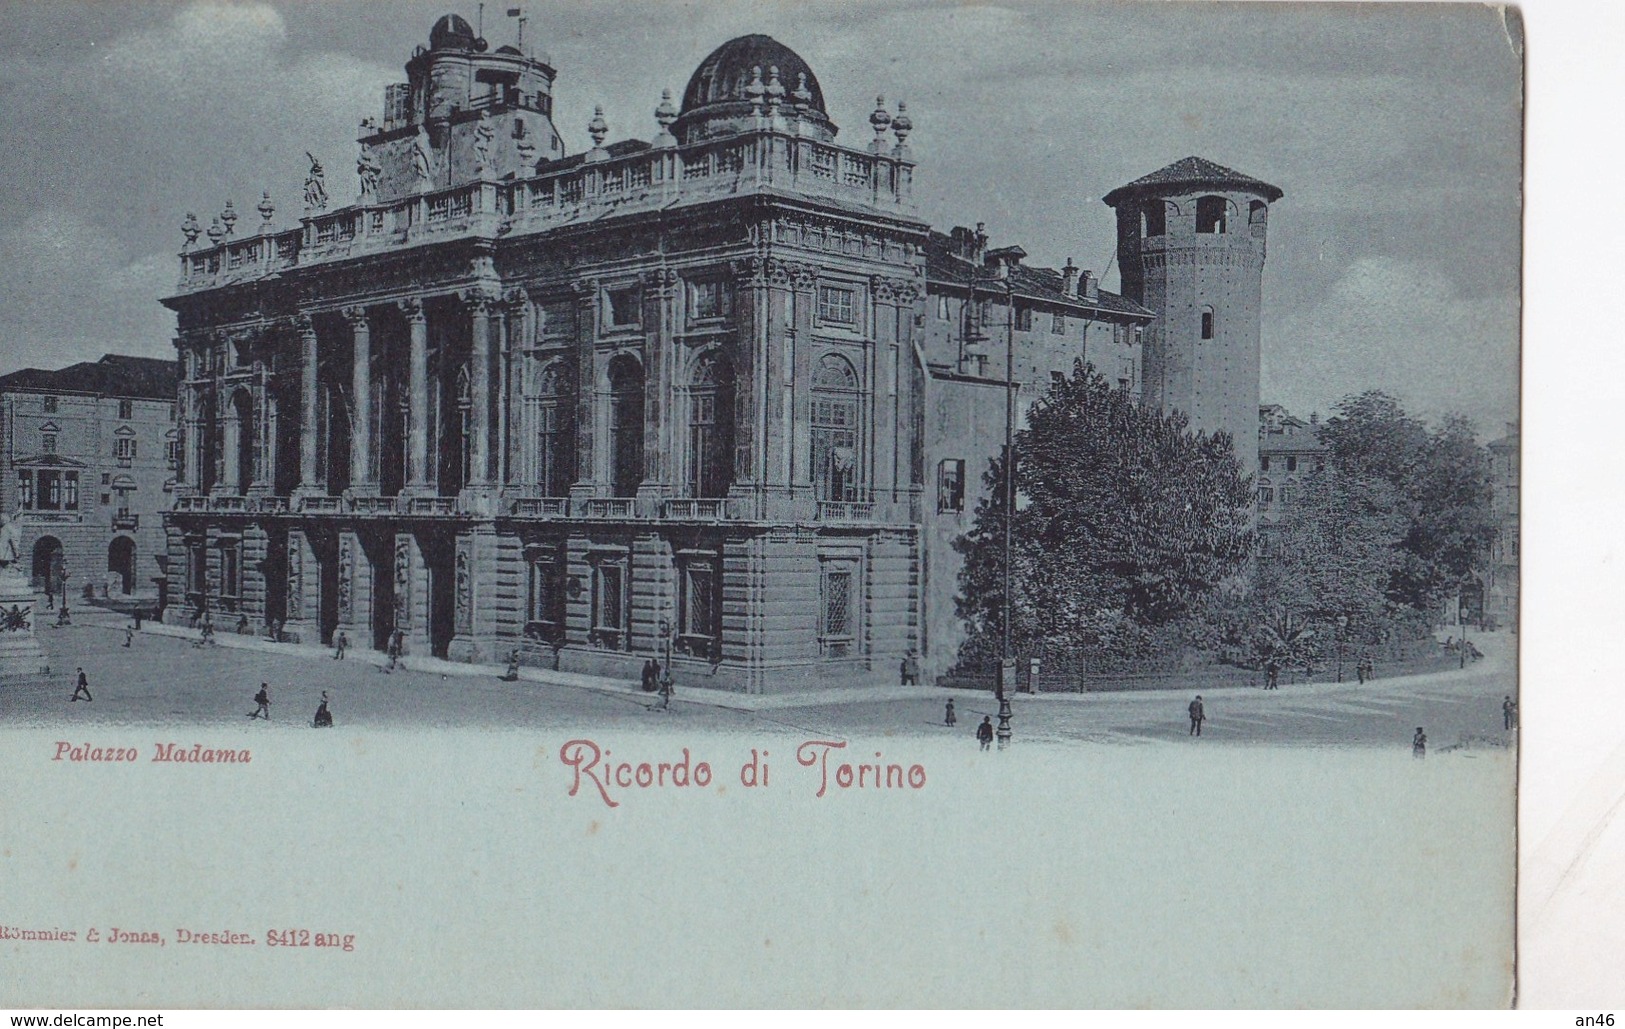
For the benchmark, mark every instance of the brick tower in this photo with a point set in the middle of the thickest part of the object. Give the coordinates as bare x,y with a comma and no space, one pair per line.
1191,243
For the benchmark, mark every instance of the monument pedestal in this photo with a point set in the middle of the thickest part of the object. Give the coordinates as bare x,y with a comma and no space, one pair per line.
21,656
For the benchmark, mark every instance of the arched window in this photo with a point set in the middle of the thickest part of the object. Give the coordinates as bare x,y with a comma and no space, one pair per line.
625,426
555,443
1154,219
1257,217
1207,322
1211,214
711,427
835,429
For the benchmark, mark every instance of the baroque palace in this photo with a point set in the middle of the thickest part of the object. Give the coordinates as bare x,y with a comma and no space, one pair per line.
720,397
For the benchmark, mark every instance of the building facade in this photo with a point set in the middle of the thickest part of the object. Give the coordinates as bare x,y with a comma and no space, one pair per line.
1191,242
660,397
89,456
721,395
1289,449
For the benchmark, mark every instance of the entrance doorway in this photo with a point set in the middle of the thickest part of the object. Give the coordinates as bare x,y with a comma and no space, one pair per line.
48,565
439,559
121,562
380,553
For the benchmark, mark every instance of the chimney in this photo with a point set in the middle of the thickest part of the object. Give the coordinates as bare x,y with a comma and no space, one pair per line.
968,243
1091,285
1069,279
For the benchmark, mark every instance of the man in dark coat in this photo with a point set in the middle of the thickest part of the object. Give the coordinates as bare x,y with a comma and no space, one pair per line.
1198,716
82,685
1509,712
949,718
1419,744
262,702
984,732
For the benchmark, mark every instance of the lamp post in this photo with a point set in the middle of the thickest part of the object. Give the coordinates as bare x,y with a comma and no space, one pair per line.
1342,624
665,641
1007,666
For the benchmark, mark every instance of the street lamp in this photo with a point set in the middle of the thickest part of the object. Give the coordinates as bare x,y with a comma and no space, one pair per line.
665,641
1007,667
1342,624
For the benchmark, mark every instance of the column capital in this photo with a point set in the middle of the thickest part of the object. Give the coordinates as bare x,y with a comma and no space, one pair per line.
479,299
412,308
356,316
515,299
585,289
302,324
660,279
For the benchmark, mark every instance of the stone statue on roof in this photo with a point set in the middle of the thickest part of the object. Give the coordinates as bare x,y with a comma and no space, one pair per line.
315,185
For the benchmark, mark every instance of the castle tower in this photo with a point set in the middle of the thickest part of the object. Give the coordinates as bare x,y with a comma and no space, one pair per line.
465,113
1191,243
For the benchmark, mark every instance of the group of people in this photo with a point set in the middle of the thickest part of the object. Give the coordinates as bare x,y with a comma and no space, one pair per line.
323,719
657,679
984,731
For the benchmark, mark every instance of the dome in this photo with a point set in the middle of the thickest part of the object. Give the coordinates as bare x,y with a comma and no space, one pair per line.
452,32
720,91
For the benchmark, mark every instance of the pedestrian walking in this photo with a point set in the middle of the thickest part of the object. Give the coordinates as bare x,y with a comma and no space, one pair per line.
666,688
341,643
984,732
1419,744
324,716
1366,669
512,674
242,625
651,676
1509,712
949,718
395,642
129,635
909,672
1198,716
262,703
81,685
1272,672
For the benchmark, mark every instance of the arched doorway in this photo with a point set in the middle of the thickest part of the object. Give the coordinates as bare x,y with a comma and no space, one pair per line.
121,562
48,563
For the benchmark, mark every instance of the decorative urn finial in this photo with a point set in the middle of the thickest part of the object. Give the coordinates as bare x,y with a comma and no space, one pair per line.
266,208
902,125
775,90
216,233
598,128
755,89
228,217
666,115
190,229
881,120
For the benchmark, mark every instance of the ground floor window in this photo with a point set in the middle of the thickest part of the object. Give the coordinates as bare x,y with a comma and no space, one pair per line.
609,603
698,606
197,568
230,569
835,623
544,609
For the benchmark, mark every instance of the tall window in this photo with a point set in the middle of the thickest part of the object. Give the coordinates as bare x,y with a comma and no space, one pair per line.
698,606
625,426
835,628
951,486
230,579
70,491
710,427
609,603
172,454
1207,323
1266,494
47,443
126,409
835,429
944,310
1024,319
124,450
838,305
465,422
1154,217
544,610
1057,323
555,445
49,497
624,307
197,568
25,489
49,404
1211,215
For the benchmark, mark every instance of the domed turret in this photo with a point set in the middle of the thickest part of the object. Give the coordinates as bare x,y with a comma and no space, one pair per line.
747,78
451,32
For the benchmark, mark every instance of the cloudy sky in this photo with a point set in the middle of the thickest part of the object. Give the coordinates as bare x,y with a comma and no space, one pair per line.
1393,129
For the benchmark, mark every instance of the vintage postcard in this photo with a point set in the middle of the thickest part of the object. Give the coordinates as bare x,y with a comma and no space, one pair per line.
869,504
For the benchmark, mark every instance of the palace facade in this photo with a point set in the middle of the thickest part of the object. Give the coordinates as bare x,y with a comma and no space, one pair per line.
721,395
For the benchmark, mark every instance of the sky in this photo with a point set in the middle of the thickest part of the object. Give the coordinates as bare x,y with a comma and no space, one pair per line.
1394,130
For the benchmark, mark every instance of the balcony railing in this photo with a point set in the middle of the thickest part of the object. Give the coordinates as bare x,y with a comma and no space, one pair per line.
51,516
541,507
431,505
715,509
845,511
611,507
126,522
186,504
373,505
321,505
651,179
232,504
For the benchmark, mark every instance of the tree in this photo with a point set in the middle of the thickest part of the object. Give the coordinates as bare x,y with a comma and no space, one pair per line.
1442,477
1126,522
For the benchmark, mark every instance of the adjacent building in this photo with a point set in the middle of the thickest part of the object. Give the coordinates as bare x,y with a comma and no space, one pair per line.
1289,449
88,458
720,395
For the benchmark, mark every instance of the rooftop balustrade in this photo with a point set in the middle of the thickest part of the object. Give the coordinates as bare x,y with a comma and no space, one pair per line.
653,179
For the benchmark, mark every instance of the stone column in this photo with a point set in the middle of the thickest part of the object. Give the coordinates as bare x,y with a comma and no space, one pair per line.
587,474
751,318
362,478
886,295
659,463
307,406
417,444
514,427
479,303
